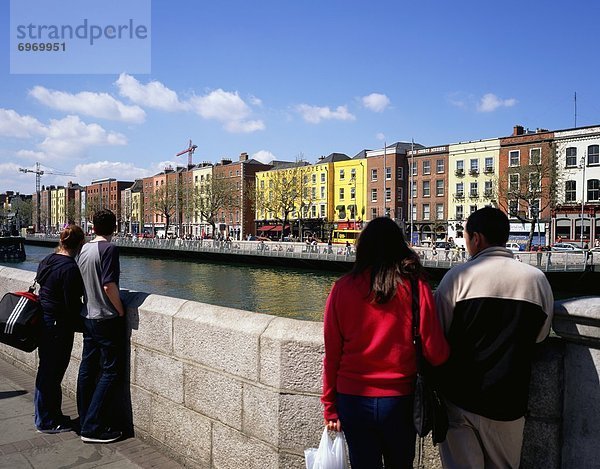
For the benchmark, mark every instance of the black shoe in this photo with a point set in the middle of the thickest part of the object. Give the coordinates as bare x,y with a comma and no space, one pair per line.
105,437
62,428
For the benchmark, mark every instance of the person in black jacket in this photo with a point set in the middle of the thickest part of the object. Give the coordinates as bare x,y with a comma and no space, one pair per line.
61,291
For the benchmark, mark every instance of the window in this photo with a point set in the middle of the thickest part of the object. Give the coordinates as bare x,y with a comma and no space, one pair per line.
313,193
474,167
513,182
439,164
460,167
426,214
342,175
570,191
472,208
323,215
593,156
460,192
426,167
400,194
513,207
341,193
388,173
388,195
593,190
322,192
373,175
473,189
400,172
535,156
353,173
459,212
514,157
488,188
426,189
439,211
414,168
571,156
373,195
414,189
535,183
534,208
314,178
399,212
373,213
489,165
352,193
322,177
414,211
305,179
439,187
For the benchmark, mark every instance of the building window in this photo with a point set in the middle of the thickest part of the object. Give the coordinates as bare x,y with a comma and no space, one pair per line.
305,179
414,168
323,215
313,193
439,187
414,189
353,173
400,172
571,156
388,173
373,195
535,156
352,193
341,193
472,208
489,165
439,211
534,208
460,192
313,211
488,188
439,165
474,167
314,178
459,212
535,182
400,194
388,195
593,190
426,189
473,190
426,214
513,182
426,167
513,207
514,157
460,167
373,213
322,177
414,211
593,156
373,175
342,175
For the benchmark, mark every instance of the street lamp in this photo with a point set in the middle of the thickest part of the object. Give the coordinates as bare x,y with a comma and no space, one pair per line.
582,166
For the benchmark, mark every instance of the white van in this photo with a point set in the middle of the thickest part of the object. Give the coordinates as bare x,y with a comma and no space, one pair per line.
514,247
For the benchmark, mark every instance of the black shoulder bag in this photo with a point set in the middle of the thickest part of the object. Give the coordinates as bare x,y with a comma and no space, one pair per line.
429,411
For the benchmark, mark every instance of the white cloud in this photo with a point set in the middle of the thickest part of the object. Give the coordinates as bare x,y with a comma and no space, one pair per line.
490,102
380,136
12,124
32,155
122,171
228,108
315,114
255,101
101,105
376,102
70,136
264,156
153,95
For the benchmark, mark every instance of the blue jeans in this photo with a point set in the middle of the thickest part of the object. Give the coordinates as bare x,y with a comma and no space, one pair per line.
100,374
54,350
379,430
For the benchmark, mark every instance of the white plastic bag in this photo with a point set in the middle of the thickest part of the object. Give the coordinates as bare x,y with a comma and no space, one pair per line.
331,454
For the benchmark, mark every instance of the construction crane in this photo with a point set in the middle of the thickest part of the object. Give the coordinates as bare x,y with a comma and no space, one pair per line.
39,173
190,151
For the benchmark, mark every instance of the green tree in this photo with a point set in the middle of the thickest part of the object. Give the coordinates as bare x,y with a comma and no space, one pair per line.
214,195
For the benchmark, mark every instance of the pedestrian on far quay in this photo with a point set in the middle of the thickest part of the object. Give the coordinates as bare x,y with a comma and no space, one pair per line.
492,323
102,368
370,361
61,289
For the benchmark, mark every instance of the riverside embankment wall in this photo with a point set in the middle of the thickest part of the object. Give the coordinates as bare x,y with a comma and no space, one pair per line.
222,388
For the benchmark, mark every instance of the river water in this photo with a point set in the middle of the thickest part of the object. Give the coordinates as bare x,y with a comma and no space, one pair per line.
292,293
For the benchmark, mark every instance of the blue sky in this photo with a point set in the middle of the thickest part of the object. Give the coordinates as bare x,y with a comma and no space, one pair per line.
280,79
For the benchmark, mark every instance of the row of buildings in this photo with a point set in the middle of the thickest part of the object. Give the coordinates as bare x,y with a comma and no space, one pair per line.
547,181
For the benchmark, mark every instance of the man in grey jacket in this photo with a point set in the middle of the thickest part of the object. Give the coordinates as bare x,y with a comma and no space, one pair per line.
494,310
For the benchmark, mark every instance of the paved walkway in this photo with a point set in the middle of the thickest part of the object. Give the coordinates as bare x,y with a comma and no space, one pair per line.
22,447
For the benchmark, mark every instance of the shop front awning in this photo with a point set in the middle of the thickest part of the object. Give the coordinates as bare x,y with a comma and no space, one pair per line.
278,227
266,228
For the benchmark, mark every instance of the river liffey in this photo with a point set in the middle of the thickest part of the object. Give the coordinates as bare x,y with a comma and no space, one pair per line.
299,294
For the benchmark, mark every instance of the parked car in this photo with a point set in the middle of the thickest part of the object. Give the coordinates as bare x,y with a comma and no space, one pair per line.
566,247
514,247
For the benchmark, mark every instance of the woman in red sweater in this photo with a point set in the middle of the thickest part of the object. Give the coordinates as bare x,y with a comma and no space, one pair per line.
370,364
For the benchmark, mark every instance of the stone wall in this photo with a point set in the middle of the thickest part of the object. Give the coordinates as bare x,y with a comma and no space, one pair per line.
222,388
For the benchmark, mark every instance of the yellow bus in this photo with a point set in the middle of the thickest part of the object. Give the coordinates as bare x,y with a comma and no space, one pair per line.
341,236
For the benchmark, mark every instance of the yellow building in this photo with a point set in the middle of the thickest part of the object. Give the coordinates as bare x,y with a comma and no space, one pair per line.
349,193
472,180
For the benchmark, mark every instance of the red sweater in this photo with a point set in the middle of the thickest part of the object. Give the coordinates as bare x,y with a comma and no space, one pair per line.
368,347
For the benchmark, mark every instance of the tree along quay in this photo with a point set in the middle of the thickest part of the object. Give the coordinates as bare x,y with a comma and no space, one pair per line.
572,273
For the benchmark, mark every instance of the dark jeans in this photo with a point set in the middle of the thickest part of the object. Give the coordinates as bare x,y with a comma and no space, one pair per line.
378,428
100,374
54,351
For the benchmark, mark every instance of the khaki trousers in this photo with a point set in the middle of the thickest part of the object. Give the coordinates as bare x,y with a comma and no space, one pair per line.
474,441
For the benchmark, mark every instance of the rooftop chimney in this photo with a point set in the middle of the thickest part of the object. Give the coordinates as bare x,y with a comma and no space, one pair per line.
244,156
518,130
225,161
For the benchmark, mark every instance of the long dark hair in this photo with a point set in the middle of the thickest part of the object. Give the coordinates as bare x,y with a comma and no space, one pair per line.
382,249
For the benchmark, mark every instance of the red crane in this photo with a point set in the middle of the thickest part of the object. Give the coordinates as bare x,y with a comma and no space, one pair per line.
190,151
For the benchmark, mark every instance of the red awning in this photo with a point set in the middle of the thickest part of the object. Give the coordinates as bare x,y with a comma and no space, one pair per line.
278,227
266,228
